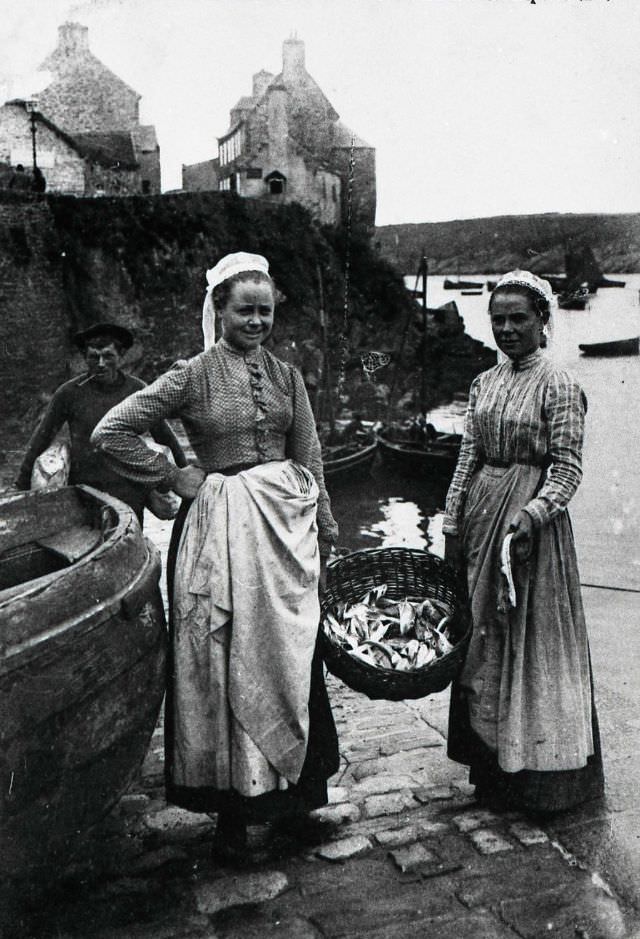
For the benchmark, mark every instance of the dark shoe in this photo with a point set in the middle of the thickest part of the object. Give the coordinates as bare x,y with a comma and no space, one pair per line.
296,832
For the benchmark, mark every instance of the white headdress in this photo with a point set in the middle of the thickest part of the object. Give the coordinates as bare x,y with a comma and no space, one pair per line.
527,279
228,266
540,286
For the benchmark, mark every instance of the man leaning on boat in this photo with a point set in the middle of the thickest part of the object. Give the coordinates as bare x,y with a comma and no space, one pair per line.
81,403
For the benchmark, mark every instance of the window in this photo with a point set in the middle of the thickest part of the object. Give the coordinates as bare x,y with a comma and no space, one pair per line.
254,172
276,183
146,186
334,194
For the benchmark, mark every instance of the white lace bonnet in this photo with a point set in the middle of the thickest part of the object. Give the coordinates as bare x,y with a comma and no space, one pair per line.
527,279
228,266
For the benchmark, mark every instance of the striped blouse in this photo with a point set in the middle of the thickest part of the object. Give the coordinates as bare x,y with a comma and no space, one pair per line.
237,408
525,411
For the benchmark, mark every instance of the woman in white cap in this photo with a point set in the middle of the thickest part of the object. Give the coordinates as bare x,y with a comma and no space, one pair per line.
522,712
248,727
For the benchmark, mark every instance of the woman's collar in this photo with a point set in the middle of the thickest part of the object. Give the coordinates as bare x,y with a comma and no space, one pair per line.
527,361
249,356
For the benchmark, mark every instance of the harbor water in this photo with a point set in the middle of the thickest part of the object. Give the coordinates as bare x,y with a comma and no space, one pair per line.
606,508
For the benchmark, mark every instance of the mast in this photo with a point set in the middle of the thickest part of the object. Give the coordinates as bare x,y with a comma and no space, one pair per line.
423,384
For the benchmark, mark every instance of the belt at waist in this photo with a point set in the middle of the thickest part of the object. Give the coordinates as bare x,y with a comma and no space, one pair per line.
236,468
504,464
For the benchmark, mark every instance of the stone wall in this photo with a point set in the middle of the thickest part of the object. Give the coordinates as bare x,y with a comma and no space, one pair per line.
66,175
66,263
200,177
34,317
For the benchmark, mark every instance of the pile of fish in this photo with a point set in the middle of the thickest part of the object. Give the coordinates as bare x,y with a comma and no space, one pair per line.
401,634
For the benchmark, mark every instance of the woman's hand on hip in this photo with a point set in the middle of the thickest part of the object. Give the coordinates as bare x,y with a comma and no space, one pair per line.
522,542
453,550
187,481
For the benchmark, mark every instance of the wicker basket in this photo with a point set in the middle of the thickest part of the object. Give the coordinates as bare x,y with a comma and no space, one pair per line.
407,572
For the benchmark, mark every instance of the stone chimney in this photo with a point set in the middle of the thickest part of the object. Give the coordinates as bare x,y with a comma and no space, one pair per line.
292,58
261,81
73,39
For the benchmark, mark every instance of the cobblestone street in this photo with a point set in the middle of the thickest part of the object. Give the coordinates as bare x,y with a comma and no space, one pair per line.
412,856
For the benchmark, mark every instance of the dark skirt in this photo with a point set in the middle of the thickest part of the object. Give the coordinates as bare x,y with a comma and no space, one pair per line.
321,762
522,713
529,791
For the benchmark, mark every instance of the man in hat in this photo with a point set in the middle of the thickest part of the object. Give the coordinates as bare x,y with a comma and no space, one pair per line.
81,403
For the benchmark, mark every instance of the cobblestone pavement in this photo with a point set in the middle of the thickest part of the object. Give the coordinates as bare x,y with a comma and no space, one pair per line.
412,856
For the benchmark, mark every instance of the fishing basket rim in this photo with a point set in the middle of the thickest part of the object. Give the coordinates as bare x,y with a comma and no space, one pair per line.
387,683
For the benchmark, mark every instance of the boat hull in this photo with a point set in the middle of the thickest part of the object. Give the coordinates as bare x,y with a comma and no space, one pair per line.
435,459
355,466
617,347
449,284
82,676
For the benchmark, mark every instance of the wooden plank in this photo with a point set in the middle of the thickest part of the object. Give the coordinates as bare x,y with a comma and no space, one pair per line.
27,517
73,543
79,590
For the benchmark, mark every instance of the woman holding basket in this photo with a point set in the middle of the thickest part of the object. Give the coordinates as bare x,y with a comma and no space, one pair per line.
249,733
522,711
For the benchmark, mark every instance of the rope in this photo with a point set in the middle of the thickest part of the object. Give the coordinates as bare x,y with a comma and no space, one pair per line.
607,587
344,342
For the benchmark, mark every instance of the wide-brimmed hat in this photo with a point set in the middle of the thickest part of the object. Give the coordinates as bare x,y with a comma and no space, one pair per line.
119,334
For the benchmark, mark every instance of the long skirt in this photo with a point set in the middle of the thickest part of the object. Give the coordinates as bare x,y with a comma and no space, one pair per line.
322,757
522,713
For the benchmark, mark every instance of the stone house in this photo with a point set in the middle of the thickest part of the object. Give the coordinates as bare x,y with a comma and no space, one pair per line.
94,117
285,143
82,165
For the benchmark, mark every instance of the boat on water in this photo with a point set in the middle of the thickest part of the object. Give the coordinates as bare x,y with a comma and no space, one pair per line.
573,300
471,293
424,455
609,282
348,452
615,347
450,284
82,667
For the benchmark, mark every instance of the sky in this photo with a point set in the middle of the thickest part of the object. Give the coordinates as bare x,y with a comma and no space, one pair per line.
475,107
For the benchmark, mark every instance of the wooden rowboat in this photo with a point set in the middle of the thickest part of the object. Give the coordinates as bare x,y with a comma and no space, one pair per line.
82,667
576,300
350,461
449,284
616,347
435,457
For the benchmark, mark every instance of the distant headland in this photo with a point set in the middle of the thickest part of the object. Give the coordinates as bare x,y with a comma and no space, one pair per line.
502,242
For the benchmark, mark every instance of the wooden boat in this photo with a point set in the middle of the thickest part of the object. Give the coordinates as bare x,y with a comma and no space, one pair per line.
82,667
449,284
615,347
576,300
608,282
351,460
419,457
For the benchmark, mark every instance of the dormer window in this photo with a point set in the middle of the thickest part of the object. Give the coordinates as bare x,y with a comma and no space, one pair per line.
276,183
